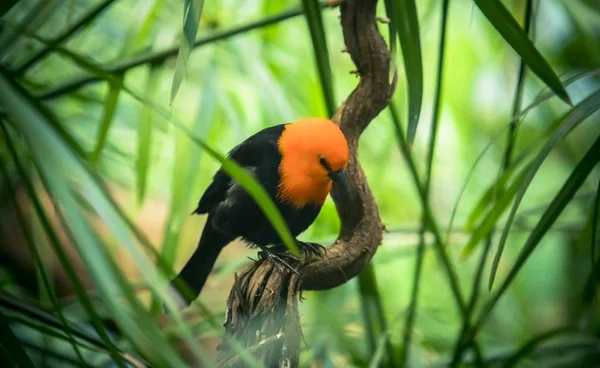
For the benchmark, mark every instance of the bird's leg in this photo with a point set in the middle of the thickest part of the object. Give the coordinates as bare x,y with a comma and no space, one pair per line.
314,248
268,253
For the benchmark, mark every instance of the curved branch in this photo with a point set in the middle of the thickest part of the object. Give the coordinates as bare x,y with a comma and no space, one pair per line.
361,230
263,300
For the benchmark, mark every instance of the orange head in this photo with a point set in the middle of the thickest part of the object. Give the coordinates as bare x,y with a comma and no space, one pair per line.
314,152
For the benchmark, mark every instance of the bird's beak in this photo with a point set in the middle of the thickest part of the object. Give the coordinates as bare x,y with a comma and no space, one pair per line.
340,178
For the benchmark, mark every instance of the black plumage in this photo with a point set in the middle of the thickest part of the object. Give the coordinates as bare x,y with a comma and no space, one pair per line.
232,212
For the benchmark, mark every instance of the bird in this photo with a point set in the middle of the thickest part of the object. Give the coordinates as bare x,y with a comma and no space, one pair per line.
296,163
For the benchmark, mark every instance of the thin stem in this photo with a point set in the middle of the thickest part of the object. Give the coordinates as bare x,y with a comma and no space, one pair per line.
161,56
412,310
431,222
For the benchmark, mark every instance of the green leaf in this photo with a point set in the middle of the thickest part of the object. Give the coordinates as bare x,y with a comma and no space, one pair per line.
312,10
35,18
392,32
141,28
47,150
488,223
573,118
191,21
373,315
41,268
145,134
59,251
12,345
594,229
558,204
532,344
407,24
487,199
6,5
517,38
110,106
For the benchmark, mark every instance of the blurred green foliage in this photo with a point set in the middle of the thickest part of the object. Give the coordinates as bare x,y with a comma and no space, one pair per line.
136,145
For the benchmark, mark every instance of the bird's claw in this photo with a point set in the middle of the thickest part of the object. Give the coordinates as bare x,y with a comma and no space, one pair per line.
278,258
314,248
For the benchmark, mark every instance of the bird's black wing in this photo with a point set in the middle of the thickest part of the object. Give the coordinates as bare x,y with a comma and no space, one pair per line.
248,154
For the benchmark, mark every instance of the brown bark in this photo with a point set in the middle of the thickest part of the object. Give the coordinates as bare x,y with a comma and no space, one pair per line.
262,311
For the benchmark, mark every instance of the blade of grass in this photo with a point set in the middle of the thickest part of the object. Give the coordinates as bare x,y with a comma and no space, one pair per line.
43,273
141,29
390,12
312,10
573,118
532,344
373,314
13,347
558,204
191,21
595,222
431,222
412,309
407,24
47,320
62,257
34,19
47,150
489,221
145,134
6,5
517,38
110,105
86,19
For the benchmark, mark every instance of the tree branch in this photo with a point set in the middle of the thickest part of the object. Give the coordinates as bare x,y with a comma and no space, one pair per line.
263,300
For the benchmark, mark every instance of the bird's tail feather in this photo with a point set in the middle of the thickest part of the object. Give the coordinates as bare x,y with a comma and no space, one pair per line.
198,267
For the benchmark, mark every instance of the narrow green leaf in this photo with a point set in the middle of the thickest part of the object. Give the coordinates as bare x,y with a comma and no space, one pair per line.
47,150
312,10
487,199
488,223
145,134
41,268
35,18
517,38
373,314
532,344
191,21
140,30
59,251
6,5
594,229
13,346
110,106
573,118
392,32
407,24
558,204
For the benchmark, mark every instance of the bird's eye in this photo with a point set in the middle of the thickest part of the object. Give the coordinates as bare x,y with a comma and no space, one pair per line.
323,162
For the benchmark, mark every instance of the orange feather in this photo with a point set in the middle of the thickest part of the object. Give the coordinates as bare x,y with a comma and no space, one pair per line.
303,179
